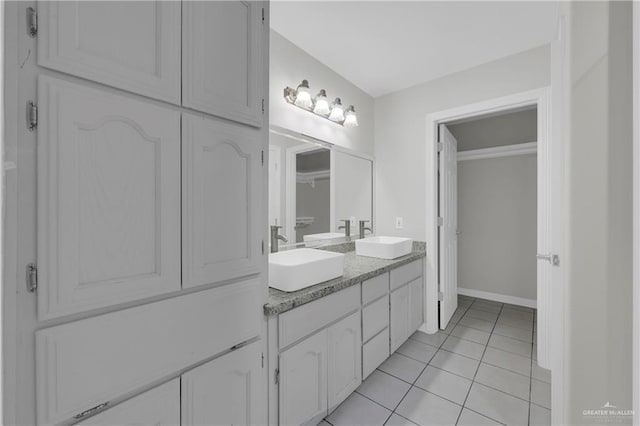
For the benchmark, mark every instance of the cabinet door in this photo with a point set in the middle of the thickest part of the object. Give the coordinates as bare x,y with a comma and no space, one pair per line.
108,199
345,359
303,381
400,321
223,59
131,45
221,198
417,304
226,391
159,406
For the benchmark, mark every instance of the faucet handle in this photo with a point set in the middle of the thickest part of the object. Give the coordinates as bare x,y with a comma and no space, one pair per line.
276,227
364,221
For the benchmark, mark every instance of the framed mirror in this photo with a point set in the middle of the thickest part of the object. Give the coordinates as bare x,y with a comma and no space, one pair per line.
314,186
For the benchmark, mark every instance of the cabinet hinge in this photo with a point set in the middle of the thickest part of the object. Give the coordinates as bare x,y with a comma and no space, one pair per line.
440,296
276,376
439,146
263,247
262,359
263,106
90,411
32,115
262,157
32,22
263,15
32,277
440,221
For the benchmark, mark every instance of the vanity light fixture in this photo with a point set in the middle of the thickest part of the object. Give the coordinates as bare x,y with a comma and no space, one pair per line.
350,119
301,97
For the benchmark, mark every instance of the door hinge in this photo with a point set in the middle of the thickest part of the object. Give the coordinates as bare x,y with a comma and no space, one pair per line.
263,15
263,247
440,296
32,115
32,277
439,146
276,376
440,221
263,105
32,22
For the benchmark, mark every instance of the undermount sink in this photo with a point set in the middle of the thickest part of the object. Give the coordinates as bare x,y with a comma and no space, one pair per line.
294,270
384,247
323,236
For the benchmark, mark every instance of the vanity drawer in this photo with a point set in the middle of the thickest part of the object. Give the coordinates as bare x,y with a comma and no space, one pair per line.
374,352
374,288
375,318
301,322
405,273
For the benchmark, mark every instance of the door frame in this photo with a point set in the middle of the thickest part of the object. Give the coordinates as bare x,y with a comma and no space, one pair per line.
636,214
542,98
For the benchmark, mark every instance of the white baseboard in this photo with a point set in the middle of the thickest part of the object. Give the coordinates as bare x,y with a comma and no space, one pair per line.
520,301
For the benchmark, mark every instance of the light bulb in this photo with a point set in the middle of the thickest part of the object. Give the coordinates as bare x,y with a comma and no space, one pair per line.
303,96
322,104
337,113
350,119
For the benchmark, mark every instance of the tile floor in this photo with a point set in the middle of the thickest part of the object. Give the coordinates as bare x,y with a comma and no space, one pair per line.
481,370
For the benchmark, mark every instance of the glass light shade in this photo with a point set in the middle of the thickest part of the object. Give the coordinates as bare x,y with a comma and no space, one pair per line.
350,119
303,96
322,104
337,113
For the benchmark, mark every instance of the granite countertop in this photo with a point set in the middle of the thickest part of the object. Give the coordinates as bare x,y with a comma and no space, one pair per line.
356,270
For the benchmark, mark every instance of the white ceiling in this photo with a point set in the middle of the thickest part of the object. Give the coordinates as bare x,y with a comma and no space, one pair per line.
385,46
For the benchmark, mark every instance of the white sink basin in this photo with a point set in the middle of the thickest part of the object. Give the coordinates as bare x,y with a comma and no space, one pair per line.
296,269
323,236
384,247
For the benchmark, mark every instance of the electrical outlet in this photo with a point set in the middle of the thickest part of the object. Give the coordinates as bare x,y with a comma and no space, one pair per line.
399,223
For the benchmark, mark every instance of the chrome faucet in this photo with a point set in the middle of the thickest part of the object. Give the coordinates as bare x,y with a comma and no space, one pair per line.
275,237
363,228
346,227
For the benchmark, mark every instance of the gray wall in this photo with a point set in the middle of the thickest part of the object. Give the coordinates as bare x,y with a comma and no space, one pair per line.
599,294
499,130
401,131
497,219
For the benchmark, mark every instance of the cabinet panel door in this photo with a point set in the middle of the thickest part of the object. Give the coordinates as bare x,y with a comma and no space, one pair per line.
223,59
221,193
108,199
417,304
345,359
159,406
131,45
303,381
226,391
400,317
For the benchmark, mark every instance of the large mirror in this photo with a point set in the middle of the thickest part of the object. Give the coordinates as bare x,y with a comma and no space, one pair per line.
314,186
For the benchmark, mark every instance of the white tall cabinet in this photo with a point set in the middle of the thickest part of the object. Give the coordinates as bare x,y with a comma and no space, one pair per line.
140,212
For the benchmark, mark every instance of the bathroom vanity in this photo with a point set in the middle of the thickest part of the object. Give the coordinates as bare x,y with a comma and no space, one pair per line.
324,340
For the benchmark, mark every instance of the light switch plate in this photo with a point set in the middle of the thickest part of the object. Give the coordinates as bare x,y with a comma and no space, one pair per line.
399,223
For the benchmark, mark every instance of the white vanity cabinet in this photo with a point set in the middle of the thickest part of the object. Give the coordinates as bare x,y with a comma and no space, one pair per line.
375,323
406,302
222,49
159,406
345,361
226,391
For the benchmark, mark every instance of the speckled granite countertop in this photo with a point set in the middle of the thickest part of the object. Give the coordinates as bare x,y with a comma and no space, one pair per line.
356,270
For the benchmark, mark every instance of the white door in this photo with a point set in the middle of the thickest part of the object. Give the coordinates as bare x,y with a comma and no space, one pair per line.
131,45
448,212
400,319
303,381
108,192
221,195
226,391
345,359
222,52
159,406
275,185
